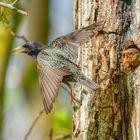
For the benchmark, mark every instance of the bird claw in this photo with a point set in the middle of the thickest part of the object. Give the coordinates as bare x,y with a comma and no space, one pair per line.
74,100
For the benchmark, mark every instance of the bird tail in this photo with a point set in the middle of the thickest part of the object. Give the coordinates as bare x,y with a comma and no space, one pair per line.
89,83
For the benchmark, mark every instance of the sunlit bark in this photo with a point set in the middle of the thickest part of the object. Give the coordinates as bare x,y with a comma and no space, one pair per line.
113,112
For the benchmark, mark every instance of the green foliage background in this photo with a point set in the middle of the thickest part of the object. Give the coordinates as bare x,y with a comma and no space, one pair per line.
37,28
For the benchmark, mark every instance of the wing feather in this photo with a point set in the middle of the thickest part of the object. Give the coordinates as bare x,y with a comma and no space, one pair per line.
44,97
49,88
70,42
52,87
82,35
50,80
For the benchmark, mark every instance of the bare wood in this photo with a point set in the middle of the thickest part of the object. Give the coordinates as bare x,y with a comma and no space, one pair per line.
10,6
62,137
14,2
33,124
51,134
18,36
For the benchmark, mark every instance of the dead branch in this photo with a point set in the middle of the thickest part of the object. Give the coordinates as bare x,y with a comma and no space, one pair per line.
62,137
51,134
33,124
14,2
11,6
18,36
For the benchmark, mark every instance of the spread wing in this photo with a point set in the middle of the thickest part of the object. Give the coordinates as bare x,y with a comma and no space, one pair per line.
81,36
50,80
70,42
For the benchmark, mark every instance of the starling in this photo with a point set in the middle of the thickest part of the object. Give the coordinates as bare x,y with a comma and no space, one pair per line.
56,65
131,58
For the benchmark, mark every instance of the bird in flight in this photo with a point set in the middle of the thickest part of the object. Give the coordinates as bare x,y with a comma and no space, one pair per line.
56,64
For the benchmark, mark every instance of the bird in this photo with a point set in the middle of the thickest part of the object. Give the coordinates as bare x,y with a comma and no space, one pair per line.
131,56
55,62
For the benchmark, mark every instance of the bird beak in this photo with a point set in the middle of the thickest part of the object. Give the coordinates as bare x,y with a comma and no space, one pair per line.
19,49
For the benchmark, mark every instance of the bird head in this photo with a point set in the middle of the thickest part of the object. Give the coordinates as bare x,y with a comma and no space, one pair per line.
131,57
31,48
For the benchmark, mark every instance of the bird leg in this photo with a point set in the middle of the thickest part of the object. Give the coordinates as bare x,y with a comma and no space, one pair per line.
73,99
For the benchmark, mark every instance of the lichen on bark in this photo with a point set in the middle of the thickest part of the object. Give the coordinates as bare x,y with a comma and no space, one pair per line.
110,113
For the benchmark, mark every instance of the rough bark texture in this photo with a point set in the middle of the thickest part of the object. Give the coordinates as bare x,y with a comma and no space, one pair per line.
113,112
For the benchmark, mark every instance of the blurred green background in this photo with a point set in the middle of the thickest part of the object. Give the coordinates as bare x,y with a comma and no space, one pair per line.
20,98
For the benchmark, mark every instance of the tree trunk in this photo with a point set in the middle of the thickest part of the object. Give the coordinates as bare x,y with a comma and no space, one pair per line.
113,112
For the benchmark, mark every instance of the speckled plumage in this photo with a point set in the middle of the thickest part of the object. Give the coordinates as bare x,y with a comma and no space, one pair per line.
56,62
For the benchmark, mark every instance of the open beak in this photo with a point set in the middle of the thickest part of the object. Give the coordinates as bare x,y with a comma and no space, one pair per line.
19,49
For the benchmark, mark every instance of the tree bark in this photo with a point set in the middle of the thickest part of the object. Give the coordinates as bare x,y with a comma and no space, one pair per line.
113,112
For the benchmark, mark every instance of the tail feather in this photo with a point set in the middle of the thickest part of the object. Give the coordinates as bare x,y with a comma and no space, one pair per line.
90,84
